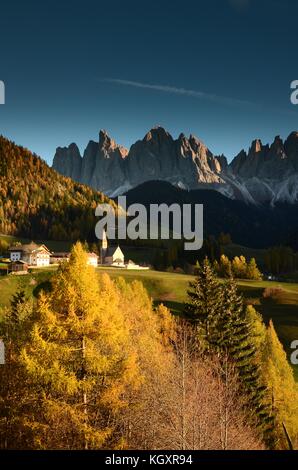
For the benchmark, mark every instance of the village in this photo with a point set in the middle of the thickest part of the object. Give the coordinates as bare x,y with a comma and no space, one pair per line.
22,257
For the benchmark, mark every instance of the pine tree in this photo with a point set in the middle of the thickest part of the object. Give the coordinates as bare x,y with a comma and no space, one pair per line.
224,327
205,299
16,303
237,337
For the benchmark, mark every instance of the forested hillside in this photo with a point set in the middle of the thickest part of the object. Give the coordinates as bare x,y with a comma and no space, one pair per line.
37,202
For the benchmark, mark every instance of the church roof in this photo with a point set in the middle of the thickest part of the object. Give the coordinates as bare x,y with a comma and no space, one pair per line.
112,249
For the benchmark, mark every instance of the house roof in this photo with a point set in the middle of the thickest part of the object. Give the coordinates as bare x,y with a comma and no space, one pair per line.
19,262
92,255
28,248
61,254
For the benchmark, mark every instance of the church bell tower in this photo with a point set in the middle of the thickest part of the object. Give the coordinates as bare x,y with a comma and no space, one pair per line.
104,247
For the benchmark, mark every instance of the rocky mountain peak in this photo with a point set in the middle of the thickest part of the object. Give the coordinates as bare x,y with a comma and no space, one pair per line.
277,148
74,148
68,161
256,146
196,144
264,173
108,145
157,134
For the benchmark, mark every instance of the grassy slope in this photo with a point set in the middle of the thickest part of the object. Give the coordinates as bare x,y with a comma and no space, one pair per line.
170,288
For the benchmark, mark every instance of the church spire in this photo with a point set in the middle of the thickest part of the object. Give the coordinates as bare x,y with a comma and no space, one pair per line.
104,246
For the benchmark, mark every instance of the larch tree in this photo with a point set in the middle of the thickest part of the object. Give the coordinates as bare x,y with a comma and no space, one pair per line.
252,271
281,383
78,359
16,398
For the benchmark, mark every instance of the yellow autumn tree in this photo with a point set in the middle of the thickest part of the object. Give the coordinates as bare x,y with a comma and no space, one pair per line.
279,379
79,359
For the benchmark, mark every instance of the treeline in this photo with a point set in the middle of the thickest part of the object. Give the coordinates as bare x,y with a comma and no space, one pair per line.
92,365
281,260
38,203
238,267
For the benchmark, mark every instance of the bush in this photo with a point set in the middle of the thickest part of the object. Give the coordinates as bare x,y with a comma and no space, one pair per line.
272,293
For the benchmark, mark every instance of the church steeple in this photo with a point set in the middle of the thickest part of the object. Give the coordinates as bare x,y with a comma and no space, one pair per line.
104,247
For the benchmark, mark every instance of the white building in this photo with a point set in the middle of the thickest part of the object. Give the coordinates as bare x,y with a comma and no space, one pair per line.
92,259
31,253
114,256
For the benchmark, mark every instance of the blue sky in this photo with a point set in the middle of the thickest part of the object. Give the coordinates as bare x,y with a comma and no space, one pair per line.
220,69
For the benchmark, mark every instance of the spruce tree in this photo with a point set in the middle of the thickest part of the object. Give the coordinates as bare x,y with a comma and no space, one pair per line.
205,299
18,299
224,328
237,338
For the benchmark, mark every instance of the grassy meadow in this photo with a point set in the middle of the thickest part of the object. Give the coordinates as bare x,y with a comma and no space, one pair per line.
171,289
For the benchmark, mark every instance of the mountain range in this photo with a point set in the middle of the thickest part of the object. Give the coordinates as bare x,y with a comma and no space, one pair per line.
265,174
36,202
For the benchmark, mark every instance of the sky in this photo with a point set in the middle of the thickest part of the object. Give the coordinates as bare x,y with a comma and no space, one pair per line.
219,69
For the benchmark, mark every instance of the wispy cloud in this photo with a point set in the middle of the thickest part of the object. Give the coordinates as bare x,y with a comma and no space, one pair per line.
180,91
217,99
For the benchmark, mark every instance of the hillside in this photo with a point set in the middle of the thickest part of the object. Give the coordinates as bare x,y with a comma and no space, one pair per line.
37,202
252,226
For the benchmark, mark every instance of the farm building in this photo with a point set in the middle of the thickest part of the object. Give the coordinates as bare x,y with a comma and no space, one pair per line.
59,257
92,259
18,267
30,253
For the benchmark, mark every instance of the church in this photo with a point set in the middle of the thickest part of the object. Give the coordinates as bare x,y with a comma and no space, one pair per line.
111,256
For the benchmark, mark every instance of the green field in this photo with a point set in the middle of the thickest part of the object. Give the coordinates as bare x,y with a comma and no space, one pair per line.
170,289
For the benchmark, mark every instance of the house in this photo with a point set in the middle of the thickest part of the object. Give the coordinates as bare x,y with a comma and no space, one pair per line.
92,259
18,267
132,265
59,257
30,253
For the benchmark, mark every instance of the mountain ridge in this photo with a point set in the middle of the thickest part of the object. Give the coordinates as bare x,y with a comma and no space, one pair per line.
263,174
